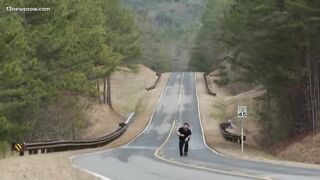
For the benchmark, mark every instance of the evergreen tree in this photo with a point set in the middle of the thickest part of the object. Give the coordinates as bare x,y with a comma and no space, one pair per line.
274,44
46,55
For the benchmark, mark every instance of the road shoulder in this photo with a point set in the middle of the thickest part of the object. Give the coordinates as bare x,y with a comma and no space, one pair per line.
208,112
59,166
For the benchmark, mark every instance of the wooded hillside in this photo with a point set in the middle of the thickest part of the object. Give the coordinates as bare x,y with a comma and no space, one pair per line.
48,59
271,43
167,31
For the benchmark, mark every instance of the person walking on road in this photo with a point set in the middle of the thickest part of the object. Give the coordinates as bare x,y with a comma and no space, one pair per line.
184,134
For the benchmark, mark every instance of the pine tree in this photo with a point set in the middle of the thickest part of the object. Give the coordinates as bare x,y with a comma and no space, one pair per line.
45,56
275,44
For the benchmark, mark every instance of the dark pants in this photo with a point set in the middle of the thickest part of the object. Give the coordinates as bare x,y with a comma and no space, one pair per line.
185,144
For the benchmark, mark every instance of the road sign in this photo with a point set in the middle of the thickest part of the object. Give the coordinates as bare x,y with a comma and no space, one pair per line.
18,147
242,111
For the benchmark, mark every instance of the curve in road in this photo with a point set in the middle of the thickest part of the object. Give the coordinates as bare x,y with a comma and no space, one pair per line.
154,154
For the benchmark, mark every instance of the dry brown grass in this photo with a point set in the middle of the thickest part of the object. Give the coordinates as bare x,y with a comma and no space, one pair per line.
53,166
220,108
215,110
306,150
101,120
57,166
128,88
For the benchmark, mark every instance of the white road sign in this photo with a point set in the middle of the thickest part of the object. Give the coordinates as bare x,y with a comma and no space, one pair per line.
242,111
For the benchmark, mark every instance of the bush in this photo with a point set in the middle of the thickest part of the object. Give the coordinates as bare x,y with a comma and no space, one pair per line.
4,148
224,78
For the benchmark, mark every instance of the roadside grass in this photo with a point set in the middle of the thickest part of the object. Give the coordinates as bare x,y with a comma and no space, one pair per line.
218,111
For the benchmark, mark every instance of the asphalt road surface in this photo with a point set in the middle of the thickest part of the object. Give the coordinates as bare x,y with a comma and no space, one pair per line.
154,154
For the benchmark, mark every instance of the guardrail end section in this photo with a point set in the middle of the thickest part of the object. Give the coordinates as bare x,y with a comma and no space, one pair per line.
130,116
19,147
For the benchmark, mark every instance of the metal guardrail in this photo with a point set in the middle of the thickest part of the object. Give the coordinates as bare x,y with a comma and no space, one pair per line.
155,83
55,146
229,136
207,86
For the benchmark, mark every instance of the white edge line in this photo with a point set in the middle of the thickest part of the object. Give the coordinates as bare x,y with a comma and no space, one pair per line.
199,114
151,117
180,89
194,166
91,173
227,156
129,118
150,120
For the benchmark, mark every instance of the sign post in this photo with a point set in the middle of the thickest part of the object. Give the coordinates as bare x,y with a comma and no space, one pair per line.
242,113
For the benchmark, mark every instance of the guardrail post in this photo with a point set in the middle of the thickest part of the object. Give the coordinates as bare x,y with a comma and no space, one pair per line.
155,83
207,85
54,146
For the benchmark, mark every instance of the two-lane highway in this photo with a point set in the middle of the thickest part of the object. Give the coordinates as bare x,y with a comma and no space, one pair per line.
154,154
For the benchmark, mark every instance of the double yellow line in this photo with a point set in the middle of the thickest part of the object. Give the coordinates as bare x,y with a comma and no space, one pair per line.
158,152
180,89
233,173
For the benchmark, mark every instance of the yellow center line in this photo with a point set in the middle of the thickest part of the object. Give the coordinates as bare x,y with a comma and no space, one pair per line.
233,173
180,90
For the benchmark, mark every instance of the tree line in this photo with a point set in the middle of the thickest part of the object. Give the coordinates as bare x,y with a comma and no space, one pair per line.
271,43
167,31
54,56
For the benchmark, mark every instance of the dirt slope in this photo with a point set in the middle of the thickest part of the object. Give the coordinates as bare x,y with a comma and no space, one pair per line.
56,166
101,120
223,107
127,88
306,150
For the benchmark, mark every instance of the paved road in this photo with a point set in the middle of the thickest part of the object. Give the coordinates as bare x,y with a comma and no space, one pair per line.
154,154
